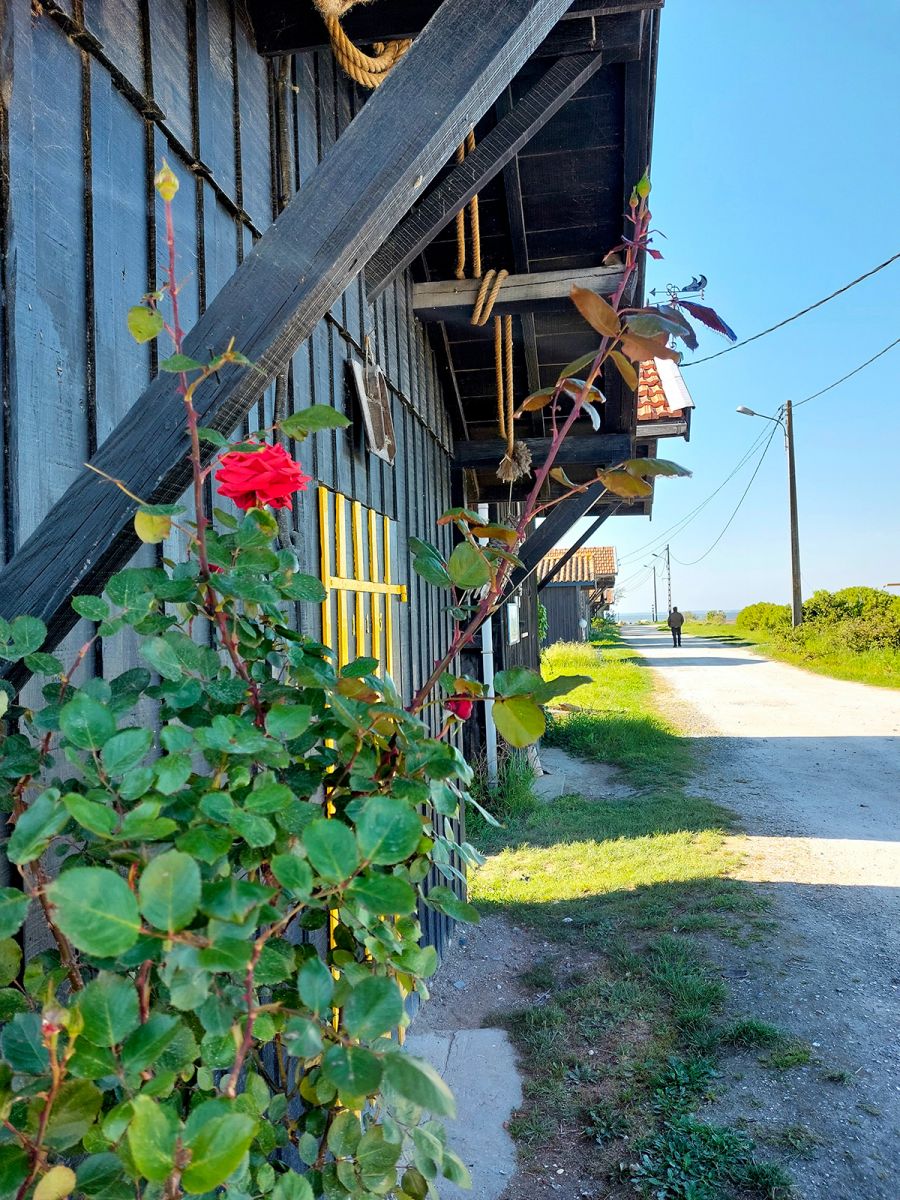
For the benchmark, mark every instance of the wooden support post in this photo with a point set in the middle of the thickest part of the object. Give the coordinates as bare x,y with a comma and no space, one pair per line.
590,450
453,299
497,149
405,132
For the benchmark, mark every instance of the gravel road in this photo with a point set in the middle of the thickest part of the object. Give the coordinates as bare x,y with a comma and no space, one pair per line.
811,766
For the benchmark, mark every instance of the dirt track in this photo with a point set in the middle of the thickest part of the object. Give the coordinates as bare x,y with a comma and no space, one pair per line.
811,766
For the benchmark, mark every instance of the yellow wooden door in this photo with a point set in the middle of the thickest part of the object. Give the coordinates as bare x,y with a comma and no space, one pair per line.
358,619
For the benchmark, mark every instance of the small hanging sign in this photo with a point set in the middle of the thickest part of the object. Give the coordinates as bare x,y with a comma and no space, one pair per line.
375,403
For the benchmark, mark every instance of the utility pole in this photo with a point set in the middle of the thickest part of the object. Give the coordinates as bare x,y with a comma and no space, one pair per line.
669,574
796,593
655,608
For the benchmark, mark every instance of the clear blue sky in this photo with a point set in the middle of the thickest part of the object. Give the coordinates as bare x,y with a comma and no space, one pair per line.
776,174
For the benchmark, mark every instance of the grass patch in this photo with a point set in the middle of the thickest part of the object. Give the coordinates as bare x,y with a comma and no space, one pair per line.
614,721
819,651
793,1053
620,1050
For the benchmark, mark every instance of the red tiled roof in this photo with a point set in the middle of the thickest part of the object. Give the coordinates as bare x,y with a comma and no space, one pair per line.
585,566
660,388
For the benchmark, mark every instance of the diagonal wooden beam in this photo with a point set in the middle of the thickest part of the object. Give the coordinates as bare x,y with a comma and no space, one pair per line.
517,127
406,131
603,515
558,523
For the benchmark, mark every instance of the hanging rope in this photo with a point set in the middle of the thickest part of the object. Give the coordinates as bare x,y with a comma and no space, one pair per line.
466,148
487,296
368,70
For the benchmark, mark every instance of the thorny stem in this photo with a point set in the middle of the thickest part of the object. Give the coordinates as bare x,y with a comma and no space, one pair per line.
57,1074
491,600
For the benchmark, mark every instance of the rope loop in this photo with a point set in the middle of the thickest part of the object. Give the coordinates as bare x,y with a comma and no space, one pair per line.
368,70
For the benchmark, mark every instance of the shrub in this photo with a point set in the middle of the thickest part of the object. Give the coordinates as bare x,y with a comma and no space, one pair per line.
764,615
880,631
829,608
715,616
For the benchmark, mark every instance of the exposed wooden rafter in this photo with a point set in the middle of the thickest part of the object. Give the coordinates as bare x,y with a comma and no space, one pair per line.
453,299
348,205
495,152
558,523
603,515
592,450
290,26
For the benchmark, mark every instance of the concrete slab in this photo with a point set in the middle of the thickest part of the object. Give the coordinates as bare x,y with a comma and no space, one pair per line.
480,1068
565,776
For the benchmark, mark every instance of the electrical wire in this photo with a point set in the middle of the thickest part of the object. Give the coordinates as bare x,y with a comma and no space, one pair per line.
693,562
684,521
802,313
849,375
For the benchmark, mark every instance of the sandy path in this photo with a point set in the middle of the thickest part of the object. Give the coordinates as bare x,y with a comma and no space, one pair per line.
812,768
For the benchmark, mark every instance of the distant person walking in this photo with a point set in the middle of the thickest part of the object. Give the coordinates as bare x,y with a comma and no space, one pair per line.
675,622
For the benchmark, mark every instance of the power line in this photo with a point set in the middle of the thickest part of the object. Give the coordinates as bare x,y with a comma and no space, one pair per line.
849,375
693,562
680,525
802,313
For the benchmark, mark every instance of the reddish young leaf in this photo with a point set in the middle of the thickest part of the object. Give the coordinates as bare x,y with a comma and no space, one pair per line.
709,317
639,349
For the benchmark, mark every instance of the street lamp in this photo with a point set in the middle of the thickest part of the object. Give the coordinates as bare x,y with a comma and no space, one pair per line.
788,426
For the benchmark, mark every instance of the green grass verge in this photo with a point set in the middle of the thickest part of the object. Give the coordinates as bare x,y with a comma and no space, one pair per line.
621,1042
819,652
634,736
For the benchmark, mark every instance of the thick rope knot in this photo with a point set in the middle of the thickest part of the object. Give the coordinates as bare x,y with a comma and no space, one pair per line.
491,284
368,70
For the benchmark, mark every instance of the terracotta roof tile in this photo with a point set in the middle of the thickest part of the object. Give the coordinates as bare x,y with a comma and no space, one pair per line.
660,388
585,566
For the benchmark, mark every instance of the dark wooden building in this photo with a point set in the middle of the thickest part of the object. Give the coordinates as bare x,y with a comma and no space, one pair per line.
576,588
251,109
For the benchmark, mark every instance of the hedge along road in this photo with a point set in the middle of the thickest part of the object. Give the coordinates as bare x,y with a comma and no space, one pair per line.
811,767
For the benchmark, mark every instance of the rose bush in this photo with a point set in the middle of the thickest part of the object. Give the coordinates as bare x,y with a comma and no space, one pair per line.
260,478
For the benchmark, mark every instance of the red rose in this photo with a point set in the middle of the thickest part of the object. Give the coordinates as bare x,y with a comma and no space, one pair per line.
461,706
260,477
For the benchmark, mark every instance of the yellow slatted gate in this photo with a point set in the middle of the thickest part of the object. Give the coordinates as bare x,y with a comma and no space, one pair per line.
357,553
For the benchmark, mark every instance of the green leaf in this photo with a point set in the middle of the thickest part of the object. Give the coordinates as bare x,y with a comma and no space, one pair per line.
109,1006
388,831
13,910
345,1134
217,1150
144,324
151,1139
288,721
176,363
517,681
355,1072
36,827
315,983
417,1081
377,1159
77,1104
96,818
100,1177
162,658
96,910
468,568
10,960
384,895
646,468
312,419
293,874
446,901
58,1183
125,750
331,848
302,1038
43,664
304,587
429,563
373,1008
626,370
292,1187
212,436
87,723
520,720
14,1167
169,891
623,483
143,1047
23,1046
276,963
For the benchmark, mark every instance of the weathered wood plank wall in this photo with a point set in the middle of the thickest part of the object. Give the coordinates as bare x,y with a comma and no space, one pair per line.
94,95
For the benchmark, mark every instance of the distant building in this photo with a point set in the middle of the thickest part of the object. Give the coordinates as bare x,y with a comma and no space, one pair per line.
576,591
